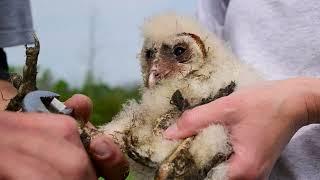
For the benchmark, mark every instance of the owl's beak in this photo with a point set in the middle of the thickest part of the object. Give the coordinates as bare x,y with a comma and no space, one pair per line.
155,76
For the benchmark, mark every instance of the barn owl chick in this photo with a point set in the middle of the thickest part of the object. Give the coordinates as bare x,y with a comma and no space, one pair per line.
183,66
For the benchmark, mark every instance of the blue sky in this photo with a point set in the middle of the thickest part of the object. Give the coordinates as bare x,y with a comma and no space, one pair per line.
63,29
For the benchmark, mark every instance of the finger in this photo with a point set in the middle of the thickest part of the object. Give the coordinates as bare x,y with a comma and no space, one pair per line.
192,121
82,106
108,159
51,150
45,123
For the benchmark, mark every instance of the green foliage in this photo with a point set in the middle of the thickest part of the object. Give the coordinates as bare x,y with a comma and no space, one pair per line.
45,82
107,101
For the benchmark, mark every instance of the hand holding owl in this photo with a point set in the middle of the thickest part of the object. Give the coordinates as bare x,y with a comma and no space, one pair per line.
183,66
261,120
236,131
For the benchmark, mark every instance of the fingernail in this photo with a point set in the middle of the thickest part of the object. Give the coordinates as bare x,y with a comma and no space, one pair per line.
171,132
101,149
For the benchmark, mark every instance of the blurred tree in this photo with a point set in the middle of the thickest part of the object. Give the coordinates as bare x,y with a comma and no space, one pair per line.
107,101
92,53
45,81
16,69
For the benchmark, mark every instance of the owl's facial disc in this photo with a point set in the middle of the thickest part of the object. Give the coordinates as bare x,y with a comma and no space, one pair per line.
174,57
167,62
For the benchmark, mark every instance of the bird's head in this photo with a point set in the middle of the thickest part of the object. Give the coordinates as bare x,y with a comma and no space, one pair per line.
174,46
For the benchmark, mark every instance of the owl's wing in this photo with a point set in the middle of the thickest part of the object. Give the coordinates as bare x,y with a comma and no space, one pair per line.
122,122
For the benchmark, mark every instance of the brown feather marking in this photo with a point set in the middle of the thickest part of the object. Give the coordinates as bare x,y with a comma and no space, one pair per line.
198,41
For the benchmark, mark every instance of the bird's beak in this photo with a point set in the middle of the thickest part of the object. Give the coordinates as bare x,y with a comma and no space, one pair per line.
151,80
155,76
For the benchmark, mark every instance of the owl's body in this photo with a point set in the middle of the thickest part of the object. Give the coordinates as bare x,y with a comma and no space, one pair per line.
179,60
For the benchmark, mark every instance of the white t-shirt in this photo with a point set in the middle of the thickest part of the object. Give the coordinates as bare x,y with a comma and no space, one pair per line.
280,38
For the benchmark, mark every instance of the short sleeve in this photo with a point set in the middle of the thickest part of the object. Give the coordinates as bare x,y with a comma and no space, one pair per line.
16,26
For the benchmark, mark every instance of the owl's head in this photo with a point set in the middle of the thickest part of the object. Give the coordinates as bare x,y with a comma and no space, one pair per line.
174,47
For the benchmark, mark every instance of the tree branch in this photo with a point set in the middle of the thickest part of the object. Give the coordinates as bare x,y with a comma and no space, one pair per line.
28,81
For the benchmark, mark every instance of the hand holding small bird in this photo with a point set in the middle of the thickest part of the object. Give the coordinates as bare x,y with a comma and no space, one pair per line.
261,120
47,146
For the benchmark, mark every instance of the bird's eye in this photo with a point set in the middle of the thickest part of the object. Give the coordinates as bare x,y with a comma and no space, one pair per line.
179,50
149,53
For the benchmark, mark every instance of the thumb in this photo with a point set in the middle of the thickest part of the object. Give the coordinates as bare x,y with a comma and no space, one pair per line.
109,161
192,121
82,106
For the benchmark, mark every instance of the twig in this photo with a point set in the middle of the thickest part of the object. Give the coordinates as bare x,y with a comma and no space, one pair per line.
28,83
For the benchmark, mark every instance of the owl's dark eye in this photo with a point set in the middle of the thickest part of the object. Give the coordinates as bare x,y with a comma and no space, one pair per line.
179,50
150,53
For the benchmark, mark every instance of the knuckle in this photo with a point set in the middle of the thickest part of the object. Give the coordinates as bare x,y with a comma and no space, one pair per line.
231,102
186,118
83,161
68,126
80,164
231,105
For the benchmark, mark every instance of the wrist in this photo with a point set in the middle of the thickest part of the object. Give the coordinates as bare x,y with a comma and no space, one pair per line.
304,103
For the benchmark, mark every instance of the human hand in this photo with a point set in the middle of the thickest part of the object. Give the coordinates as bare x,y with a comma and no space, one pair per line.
7,92
260,119
47,146
42,146
107,158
